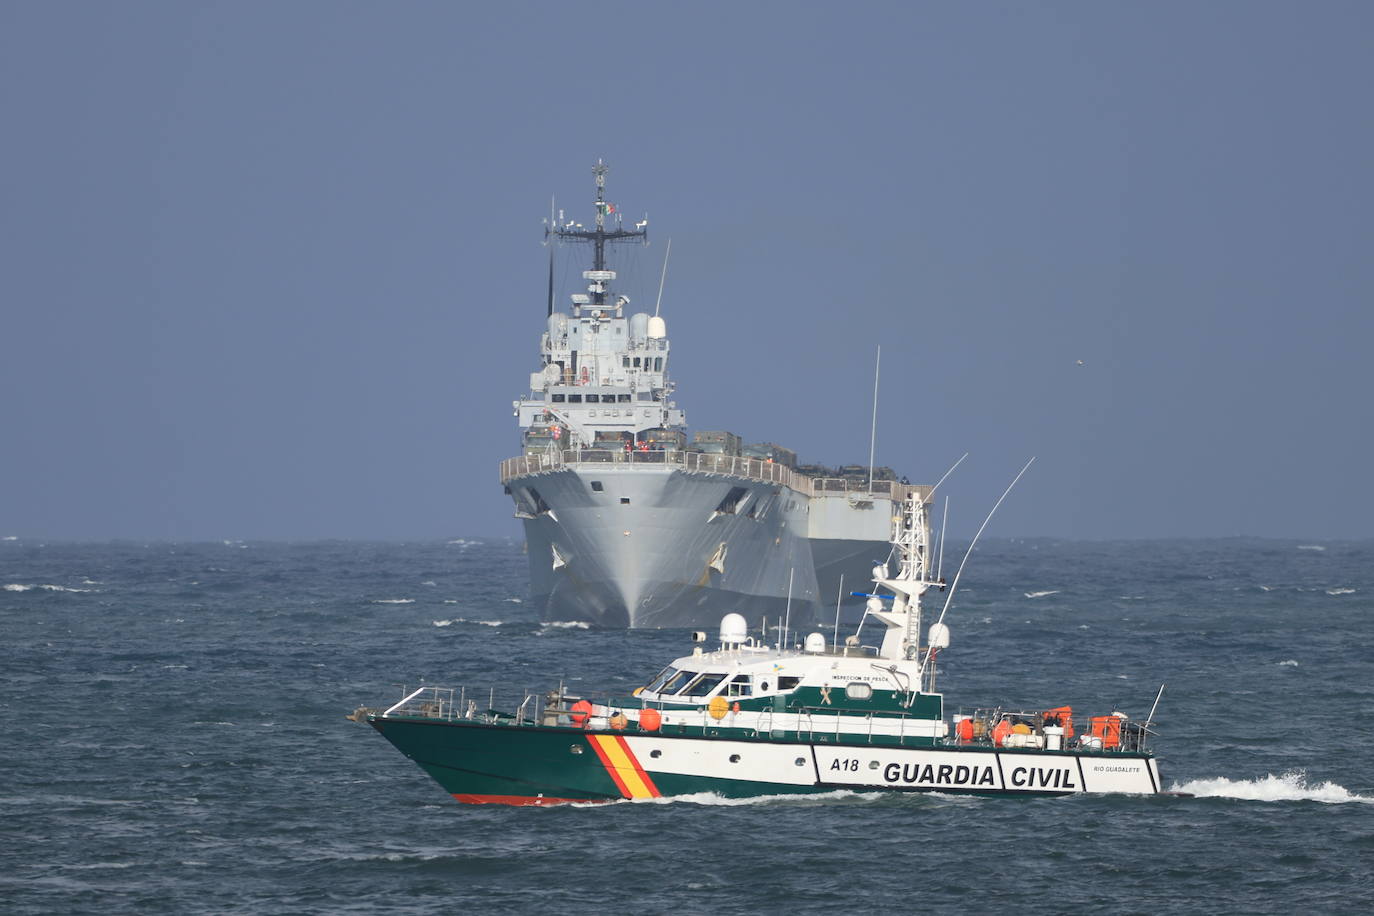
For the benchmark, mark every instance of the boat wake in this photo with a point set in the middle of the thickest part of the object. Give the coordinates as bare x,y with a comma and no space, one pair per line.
1290,786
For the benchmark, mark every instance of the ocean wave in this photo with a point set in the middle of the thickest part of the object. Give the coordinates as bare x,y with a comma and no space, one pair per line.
485,623
1289,663
1311,547
393,601
516,600
17,587
1341,591
1290,786
430,582
1053,591
568,624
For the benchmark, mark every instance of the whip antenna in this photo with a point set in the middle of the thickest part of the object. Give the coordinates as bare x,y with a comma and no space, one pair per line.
955,584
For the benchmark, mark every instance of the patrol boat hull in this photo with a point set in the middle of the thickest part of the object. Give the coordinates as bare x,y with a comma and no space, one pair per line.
481,763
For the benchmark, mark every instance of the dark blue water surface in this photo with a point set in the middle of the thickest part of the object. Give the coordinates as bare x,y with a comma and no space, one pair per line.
175,740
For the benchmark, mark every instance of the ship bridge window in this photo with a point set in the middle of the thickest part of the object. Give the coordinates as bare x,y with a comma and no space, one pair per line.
574,399
739,686
663,676
593,398
658,364
625,362
559,398
636,362
788,683
703,685
623,398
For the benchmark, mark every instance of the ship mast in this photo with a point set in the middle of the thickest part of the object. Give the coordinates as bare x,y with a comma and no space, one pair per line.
600,236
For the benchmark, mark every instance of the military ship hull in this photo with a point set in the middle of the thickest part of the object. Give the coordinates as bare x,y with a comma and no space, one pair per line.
621,545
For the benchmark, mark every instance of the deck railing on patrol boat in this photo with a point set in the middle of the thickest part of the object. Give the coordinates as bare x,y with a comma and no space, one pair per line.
544,462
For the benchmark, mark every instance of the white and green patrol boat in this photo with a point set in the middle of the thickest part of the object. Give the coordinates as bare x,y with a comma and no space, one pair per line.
754,718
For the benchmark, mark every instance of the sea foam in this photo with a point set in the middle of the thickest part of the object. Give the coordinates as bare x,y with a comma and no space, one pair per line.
1290,786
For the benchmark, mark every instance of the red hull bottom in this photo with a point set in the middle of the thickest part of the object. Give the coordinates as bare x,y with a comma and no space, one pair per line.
522,800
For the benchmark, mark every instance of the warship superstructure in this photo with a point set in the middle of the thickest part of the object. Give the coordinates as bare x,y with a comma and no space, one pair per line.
628,523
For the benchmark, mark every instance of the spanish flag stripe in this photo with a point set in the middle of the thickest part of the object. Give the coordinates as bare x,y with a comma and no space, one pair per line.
639,770
596,742
620,762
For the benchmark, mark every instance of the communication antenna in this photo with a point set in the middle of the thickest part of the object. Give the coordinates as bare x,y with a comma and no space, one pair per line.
835,637
664,278
549,242
955,584
873,433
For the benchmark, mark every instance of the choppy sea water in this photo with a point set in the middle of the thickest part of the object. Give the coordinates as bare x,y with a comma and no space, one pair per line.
176,740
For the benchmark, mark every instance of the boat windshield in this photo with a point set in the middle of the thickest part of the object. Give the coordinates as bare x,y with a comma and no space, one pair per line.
656,685
703,685
675,683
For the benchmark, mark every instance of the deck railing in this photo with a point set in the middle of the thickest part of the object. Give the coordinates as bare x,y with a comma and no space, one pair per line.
703,463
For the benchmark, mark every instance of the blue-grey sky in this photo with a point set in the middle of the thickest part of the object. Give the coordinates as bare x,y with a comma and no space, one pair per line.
274,269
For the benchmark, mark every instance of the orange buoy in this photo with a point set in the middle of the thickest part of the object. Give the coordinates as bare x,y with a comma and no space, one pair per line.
581,713
650,720
1000,732
618,721
718,707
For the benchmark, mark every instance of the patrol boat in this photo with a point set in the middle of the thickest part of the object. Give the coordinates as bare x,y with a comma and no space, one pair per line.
753,719
628,523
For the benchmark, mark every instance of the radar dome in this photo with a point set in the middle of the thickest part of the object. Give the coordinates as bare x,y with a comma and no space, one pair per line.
815,643
733,630
938,637
874,605
639,326
880,572
658,328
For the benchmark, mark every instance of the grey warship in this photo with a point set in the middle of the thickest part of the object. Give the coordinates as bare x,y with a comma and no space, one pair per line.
628,522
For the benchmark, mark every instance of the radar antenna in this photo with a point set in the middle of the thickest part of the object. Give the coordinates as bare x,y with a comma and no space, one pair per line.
575,232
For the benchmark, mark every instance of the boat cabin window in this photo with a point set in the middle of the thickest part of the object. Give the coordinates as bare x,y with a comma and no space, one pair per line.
623,398
858,690
676,682
656,685
559,398
593,398
788,683
739,686
574,399
703,685
598,486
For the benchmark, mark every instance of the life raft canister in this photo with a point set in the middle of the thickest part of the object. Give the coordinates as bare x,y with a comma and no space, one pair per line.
619,721
965,731
581,713
1000,732
650,720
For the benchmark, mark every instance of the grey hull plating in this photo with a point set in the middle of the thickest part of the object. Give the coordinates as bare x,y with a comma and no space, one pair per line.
651,547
